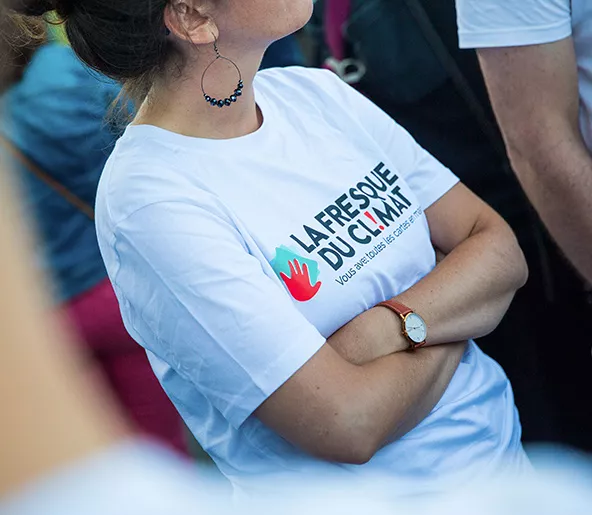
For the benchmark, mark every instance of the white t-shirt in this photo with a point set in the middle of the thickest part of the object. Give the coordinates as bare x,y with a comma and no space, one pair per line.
233,261
505,23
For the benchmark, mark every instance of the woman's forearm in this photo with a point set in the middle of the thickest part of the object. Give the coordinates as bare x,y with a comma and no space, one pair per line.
345,413
401,390
439,366
368,337
464,297
410,384
468,293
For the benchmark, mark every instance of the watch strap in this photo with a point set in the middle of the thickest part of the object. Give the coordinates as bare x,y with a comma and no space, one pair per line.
397,307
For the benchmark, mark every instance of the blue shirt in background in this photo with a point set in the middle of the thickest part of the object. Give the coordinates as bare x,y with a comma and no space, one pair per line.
57,116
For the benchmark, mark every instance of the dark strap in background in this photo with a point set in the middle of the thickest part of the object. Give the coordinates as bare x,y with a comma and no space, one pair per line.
47,179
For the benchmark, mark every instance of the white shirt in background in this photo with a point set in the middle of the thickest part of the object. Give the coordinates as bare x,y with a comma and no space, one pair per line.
506,23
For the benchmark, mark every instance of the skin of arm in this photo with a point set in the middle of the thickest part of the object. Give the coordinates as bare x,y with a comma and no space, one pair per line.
534,92
464,297
359,391
52,413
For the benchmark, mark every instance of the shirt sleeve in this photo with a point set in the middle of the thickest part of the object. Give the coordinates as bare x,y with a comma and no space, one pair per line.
504,23
192,294
426,176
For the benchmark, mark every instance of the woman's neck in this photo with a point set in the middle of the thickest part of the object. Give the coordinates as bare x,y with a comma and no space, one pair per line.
178,104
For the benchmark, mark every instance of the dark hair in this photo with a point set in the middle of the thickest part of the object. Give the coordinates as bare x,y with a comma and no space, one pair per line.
122,39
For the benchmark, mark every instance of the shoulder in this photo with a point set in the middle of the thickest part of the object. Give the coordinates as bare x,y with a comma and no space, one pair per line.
142,174
316,96
503,23
294,75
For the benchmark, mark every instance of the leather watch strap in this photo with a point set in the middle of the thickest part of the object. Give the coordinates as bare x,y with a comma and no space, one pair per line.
397,307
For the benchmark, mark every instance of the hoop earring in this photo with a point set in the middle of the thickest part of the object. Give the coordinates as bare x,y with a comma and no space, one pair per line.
239,87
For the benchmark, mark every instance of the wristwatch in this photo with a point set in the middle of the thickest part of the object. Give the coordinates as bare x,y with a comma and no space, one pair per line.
414,327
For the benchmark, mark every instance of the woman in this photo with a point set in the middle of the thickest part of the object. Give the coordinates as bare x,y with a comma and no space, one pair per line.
250,245
55,115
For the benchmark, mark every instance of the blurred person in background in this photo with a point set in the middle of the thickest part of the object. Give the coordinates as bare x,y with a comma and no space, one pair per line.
536,56
228,215
438,94
537,61
53,126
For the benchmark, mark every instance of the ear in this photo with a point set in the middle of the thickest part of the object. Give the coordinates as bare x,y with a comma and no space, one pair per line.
188,21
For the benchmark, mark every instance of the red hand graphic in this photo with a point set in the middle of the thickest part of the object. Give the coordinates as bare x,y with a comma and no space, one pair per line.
299,282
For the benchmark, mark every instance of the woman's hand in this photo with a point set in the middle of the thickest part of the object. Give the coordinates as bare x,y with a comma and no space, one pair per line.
481,266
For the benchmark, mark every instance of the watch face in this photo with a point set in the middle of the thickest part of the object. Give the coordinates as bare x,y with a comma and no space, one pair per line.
416,328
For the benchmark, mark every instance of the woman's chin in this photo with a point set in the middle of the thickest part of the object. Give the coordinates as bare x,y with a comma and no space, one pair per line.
297,20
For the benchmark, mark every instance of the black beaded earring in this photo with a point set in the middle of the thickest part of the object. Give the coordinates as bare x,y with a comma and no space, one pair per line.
239,87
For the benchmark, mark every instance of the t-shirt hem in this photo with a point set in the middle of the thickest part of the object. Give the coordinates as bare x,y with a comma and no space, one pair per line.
509,37
275,376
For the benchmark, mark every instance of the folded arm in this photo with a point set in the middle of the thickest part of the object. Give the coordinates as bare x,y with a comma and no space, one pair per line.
343,412
336,408
464,297
359,391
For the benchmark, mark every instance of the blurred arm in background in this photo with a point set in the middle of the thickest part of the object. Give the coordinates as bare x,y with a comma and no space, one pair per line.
47,419
528,54
65,449
534,91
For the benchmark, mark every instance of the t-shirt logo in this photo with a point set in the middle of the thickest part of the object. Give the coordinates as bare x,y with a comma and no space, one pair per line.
299,274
